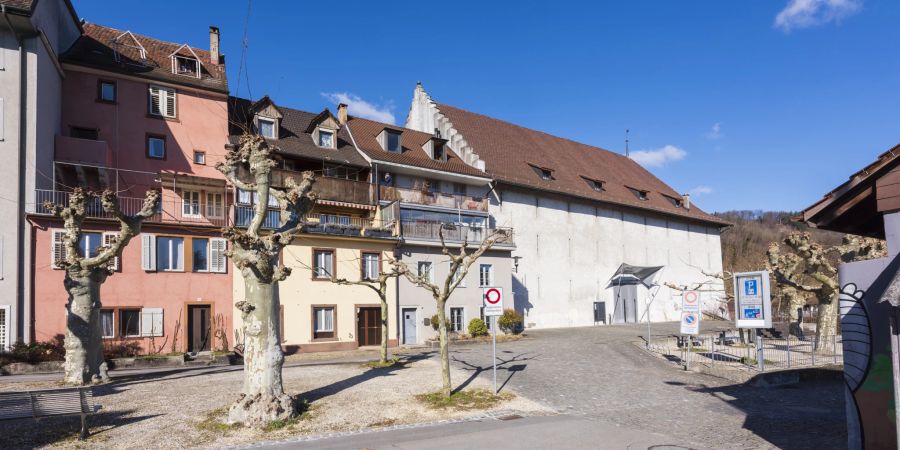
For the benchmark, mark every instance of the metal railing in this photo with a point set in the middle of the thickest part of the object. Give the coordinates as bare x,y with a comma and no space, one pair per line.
315,223
415,229
425,197
763,354
168,211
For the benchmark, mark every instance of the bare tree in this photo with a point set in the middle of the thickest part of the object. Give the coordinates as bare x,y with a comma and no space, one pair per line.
380,285
808,267
84,276
256,253
460,261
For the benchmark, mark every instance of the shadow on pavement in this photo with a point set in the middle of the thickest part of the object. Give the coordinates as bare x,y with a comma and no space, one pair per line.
338,386
501,365
29,433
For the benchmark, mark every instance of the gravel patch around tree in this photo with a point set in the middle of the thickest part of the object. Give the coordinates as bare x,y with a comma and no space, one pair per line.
178,410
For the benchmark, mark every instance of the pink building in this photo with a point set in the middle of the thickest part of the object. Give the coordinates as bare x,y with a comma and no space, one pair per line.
139,114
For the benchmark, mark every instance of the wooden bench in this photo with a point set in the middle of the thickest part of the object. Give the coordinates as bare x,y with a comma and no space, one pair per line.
47,403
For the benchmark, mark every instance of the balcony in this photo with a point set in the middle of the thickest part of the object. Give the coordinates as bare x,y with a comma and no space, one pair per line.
333,189
344,226
442,199
168,212
85,151
428,231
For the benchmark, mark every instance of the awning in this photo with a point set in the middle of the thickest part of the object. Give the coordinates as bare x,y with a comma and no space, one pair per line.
628,274
345,204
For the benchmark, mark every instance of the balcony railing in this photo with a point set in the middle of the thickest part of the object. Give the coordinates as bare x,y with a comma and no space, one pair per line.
414,229
344,225
169,211
424,197
334,189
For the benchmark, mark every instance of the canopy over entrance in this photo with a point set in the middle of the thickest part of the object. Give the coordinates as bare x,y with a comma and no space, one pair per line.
628,274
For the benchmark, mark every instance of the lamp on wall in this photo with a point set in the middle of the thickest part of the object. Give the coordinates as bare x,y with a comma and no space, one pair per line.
516,263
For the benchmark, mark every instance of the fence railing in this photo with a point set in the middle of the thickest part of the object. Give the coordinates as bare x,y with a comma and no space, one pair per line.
452,233
761,354
425,197
168,211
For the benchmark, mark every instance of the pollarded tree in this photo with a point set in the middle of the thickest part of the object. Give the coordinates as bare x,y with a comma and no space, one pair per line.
255,253
84,276
460,261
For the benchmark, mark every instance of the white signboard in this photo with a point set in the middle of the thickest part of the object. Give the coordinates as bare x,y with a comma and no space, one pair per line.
752,300
690,312
493,301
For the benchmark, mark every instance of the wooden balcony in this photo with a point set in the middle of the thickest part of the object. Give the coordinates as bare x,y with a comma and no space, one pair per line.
333,189
442,199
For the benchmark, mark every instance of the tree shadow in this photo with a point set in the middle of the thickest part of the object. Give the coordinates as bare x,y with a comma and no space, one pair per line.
338,386
501,365
173,374
30,433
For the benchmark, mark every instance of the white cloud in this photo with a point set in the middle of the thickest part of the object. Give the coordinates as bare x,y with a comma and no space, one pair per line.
809,13
356,106
700,190
715,133
658,157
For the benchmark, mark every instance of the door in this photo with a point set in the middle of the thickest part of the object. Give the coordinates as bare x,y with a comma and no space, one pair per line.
368,326
198,328
626,304
599,312
409,326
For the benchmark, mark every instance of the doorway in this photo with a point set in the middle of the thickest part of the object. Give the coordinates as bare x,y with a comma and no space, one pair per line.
198,328
409,325
368,326
626,303
600,312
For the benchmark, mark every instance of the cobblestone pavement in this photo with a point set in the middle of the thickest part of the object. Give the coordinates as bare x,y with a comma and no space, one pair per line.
600,374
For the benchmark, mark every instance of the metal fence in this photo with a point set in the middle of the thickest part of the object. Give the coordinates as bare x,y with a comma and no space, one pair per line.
762,354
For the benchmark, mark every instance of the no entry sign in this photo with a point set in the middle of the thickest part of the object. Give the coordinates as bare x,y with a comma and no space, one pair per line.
493,301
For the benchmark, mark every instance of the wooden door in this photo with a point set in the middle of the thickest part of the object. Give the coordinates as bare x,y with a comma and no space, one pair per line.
199,329
368,326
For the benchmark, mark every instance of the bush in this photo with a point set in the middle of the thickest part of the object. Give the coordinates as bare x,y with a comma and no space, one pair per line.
511,321
35,352
121,349
477,327
437,325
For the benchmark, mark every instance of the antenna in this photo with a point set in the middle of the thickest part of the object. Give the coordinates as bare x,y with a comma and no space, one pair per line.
626,142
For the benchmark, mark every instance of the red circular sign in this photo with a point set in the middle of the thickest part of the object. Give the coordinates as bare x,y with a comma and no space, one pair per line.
690,297
492,296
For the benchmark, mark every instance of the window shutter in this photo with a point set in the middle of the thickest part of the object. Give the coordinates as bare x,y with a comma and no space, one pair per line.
58,249
170,102
217,260
148,252
152,322
155,106
108,239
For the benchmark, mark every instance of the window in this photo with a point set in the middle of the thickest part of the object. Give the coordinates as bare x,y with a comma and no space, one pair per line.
457,320
543,172
190,203
266,127
107,324
199,157
438,152
424,271
486,275
84,133
371,263
161,101
459,189
156,146
129,322
457,275
326,139
200,253
289,164
215,204
89,244
243,197
186,66
110,238
487,319
392,141
341,172
596,185
106,91
642,195
323,326
323,264
170,254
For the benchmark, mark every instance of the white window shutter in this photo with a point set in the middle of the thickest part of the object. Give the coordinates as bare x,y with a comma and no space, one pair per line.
108,238
148,252
217,259
58,248
151,322
155,103
170,102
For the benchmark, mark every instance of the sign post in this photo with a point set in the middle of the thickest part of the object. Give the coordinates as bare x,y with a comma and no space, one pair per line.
690,320
493,307
753,306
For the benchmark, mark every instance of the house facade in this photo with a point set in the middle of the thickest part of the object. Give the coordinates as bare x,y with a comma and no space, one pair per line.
32,36
579,213
140,114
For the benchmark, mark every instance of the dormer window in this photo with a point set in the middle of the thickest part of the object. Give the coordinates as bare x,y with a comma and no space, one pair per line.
596,185
545,173
326,139
266,127
640,194
677,202
187,66
392,141
438,152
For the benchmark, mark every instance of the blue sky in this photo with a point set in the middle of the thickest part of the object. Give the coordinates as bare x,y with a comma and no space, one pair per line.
751,105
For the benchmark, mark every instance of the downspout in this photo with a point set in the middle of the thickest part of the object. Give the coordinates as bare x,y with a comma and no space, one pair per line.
20,197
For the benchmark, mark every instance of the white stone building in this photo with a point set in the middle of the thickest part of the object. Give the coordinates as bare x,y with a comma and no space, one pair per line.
578,213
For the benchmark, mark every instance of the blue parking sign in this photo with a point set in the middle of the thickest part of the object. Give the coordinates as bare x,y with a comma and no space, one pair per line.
750,287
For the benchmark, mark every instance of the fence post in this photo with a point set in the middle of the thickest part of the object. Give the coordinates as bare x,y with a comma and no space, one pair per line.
812,347
834,348
759,352
789,350
748,357
712,349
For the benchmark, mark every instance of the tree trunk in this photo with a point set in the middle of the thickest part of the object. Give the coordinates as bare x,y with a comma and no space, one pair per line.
384,330
826,323
84,350
445,347
263,399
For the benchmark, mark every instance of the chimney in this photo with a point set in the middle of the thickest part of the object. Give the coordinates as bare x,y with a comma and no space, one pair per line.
214,45
342,113
686,201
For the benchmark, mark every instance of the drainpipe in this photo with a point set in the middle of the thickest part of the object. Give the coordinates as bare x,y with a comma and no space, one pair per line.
20,197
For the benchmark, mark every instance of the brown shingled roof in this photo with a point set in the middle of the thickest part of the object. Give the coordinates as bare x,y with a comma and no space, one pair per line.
95,48
509,152
366,132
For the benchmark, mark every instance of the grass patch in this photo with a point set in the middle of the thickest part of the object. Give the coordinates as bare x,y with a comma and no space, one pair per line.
464,400
754,361
212,422
304,412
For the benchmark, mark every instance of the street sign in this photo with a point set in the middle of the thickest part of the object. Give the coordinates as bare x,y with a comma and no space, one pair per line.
690,323
690,301
493,301
752,300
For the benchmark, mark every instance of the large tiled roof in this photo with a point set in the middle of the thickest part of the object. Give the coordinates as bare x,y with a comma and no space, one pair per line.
366,132
510,153
98,46
293,139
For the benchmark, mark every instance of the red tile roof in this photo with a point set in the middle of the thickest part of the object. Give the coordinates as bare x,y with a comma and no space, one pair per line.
95,48
510,152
